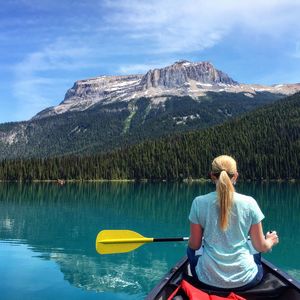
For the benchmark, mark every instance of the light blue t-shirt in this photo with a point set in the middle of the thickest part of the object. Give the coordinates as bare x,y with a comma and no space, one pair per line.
226,261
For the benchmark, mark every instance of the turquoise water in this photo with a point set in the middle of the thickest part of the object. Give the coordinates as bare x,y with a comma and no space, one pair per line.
47,235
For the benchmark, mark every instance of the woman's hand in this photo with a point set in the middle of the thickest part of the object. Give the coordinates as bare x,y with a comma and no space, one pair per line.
260,242
272,237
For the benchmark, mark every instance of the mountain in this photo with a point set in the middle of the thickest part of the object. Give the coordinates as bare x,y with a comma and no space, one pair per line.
108,112
180,79
265,142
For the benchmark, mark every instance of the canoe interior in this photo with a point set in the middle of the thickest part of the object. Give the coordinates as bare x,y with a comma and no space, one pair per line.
276,284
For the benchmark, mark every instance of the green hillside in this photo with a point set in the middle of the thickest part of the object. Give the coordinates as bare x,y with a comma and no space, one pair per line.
107,127
266,144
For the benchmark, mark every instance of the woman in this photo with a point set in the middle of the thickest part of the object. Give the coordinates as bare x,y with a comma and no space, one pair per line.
225,219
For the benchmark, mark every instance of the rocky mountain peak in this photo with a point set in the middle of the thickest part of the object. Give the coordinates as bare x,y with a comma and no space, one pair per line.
181,72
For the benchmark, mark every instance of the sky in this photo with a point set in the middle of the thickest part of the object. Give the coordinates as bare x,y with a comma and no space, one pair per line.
46,45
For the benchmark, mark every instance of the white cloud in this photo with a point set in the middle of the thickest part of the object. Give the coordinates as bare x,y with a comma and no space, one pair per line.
194,25
37,79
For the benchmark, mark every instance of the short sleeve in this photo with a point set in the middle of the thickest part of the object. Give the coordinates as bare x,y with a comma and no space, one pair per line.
256,213
193,216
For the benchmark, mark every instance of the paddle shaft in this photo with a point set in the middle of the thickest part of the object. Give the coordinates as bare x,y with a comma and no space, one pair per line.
142,240
177,239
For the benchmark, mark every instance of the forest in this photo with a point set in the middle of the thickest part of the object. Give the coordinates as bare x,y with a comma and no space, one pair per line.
265,143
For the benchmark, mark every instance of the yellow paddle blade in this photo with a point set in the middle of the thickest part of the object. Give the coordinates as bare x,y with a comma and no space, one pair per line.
119,241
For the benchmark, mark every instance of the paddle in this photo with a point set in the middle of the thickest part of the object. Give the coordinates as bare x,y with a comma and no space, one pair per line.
120,241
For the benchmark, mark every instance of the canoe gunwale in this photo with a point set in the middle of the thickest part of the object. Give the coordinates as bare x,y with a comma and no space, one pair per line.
281,274
173,273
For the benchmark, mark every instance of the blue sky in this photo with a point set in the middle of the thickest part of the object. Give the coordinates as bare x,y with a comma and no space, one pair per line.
46,45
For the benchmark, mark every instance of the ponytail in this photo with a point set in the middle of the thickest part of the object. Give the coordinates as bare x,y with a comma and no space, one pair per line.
223,168
225,192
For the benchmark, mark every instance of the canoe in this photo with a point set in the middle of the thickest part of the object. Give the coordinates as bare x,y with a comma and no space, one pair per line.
276,284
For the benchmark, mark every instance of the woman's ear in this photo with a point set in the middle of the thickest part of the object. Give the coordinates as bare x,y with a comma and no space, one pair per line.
213,177
235,177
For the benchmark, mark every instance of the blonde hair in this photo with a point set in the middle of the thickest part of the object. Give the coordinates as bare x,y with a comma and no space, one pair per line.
224,167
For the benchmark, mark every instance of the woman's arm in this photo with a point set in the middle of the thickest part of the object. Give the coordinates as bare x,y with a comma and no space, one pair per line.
259,241
196,233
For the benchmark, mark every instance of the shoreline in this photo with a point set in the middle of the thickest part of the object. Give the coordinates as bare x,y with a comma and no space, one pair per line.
186,180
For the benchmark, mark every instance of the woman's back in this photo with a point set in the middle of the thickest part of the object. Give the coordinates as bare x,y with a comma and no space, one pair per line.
227,260
225,219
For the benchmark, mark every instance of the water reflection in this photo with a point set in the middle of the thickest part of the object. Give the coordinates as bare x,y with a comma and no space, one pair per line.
61,223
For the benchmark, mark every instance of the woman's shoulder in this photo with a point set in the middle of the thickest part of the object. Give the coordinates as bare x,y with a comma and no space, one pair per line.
244,199
206,198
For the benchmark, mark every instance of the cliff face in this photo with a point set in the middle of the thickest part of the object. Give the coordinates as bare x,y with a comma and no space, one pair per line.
182,72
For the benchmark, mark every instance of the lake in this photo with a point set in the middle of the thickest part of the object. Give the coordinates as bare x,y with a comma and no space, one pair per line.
48,232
